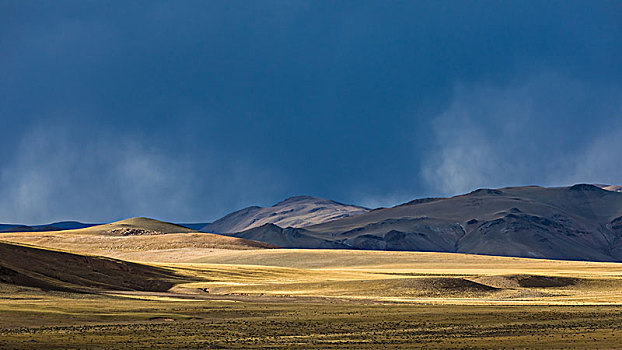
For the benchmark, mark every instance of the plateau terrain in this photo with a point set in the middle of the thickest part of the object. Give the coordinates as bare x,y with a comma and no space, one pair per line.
290,298
496,268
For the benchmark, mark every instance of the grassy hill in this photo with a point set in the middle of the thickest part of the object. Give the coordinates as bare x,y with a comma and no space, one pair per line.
56,270
133,227
138,239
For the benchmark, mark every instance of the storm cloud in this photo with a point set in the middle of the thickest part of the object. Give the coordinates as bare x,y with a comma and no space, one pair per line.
499,136
186,111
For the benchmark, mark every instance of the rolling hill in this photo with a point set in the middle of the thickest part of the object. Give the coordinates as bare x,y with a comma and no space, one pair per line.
61,271
580,222
124,227
138,239
297,211
135,227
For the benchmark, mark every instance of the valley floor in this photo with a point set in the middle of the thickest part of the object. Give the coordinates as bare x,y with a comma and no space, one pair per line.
281,298
104,322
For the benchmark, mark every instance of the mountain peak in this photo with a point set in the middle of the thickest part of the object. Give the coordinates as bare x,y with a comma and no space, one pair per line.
486,191
297,211
300,199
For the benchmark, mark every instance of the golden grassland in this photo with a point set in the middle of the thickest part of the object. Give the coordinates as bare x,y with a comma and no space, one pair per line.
70,321
295,298
411,277
173,247
162,242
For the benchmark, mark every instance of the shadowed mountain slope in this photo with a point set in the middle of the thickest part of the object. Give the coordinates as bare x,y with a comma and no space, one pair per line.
55,270
298,211
194,226
289,237
581,222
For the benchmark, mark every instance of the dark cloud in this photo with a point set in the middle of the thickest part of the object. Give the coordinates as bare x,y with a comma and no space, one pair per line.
188,110
538,132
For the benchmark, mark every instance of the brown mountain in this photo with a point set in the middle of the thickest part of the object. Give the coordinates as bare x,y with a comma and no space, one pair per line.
581,222
297,211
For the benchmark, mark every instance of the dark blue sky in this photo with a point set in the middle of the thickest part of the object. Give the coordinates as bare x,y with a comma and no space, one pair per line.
187,110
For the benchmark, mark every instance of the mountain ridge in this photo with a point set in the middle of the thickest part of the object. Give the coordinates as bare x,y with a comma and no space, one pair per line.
579,222
297,211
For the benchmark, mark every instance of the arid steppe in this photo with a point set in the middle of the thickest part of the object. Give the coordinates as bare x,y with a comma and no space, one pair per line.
227,294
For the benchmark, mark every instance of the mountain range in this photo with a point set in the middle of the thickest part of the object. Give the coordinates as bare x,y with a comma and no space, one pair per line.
580,222
55,226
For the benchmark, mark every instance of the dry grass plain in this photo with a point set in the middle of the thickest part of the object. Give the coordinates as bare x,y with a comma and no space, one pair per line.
291,298
413,277
104,322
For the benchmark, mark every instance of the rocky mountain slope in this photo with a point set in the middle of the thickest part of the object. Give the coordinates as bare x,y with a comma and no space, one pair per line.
297,211
580,222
